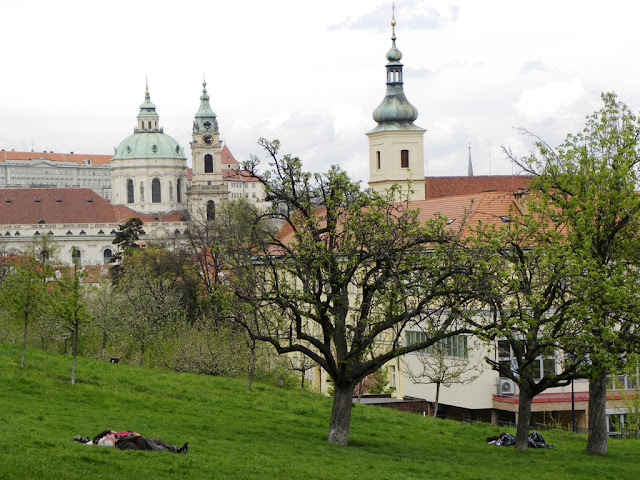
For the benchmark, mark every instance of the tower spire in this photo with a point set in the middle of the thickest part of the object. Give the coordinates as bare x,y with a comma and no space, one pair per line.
148,119
205,119
470,166
395,108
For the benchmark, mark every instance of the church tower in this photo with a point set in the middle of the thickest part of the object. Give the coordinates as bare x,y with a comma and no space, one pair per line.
396,148
149,169
207,186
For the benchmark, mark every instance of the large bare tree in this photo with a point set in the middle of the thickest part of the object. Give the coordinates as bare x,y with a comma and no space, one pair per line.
349,273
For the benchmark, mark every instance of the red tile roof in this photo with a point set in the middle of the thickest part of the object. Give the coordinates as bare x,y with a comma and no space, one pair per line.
79,158
28,206
227,156
438,187
487,208
230,174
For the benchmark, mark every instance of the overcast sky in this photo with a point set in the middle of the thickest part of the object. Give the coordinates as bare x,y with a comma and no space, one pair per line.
311,73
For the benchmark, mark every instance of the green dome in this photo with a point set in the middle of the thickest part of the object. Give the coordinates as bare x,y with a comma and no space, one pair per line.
149,145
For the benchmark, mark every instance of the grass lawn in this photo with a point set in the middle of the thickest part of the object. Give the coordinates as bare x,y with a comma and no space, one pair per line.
269,433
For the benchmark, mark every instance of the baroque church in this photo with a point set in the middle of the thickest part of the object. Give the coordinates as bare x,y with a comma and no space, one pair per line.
79,200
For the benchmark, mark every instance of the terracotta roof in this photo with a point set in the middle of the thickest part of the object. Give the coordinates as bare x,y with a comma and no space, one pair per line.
79,158
487,208
230,174
28,206
438,187
227,156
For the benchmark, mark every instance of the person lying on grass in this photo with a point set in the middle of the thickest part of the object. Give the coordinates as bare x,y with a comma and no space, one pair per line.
128,440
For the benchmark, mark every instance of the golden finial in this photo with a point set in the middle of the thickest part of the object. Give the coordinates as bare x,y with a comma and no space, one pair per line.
393,14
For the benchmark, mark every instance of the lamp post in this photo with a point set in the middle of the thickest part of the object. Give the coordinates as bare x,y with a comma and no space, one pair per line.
573,410
65,336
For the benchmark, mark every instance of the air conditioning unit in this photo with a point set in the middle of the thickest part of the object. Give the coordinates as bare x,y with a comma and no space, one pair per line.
506,387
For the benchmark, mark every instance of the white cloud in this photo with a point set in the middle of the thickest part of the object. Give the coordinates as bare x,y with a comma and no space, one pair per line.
555,100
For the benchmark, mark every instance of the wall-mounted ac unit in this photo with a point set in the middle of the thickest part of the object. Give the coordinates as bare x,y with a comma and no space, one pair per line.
506,387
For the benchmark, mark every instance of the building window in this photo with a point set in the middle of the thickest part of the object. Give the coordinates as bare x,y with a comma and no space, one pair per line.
211,210
156,197
404,158
76,256
456,346
129,191
542,365
392,376
107,256
208,163
378,160
179,190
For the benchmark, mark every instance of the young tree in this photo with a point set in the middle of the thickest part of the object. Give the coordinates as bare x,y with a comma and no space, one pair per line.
443,366
70,307
589,185
349,272
23,294
101,306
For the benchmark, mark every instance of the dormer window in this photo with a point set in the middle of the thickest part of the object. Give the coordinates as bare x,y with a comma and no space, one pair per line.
41,221
8,200
37,234
69,232
37,200
82,232
101,232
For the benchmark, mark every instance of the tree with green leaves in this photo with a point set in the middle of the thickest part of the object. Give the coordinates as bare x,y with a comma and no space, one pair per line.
70,307
149,300
126,240
589,186
349,273
529,271
23,294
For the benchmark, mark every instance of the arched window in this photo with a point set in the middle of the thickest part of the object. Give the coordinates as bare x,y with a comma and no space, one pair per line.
208,164
179,190
130,198
149,125
76,256
156,197
107,256
378,159
404,158
211,210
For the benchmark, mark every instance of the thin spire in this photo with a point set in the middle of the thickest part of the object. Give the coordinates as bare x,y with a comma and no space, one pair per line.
470,167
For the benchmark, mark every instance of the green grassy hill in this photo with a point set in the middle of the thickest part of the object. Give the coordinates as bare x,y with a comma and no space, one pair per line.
269,433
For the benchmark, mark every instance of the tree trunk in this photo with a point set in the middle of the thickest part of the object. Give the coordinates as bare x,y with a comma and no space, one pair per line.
104,344
75,353
597,441
252,366
141,354
24,338
341,414
524,417
435,406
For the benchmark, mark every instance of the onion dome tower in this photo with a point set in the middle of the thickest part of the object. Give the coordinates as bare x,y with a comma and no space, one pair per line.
207,186
149,168
396,147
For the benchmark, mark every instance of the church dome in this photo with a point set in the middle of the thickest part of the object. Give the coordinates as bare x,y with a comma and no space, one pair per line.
149,145
395,108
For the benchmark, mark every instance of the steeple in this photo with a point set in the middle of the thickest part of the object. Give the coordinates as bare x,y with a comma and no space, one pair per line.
148,119
396,145
205,119
470,166
395,110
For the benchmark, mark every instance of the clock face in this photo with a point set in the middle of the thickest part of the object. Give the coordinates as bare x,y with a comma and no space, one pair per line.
207,139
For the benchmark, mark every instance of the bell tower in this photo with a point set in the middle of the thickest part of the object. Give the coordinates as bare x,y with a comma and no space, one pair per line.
207,186
396,146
